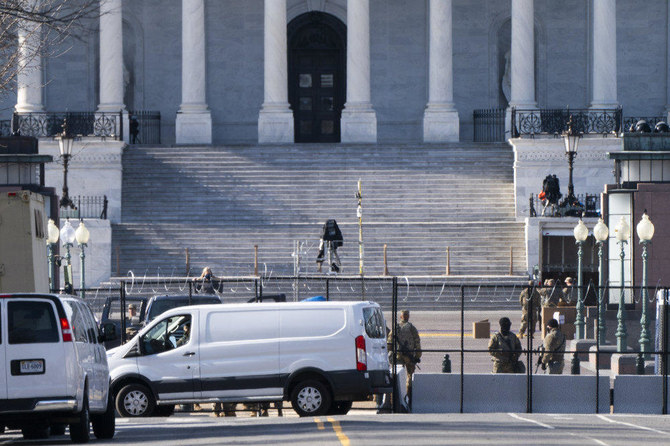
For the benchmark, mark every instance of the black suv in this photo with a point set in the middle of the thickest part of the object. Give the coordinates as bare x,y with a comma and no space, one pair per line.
111,313
157,305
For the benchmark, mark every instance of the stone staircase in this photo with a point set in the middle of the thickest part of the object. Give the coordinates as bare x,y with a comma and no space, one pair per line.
418,200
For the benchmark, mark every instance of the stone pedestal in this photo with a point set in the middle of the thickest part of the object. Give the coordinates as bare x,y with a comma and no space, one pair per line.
194,128
440,125
623,364
359,126
604,359
275,126
583,346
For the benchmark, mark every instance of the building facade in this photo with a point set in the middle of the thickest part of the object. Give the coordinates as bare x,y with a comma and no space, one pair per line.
378,71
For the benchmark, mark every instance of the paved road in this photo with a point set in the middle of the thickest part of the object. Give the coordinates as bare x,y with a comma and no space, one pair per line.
370,429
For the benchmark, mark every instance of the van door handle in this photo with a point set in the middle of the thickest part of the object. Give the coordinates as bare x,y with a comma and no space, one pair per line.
189,353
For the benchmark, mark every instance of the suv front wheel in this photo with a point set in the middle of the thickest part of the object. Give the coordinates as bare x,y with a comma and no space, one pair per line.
135,400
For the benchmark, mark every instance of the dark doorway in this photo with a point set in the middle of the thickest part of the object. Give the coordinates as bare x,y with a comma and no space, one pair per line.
316,60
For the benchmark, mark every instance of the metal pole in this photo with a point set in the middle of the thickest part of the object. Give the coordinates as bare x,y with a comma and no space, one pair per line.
82,278
68,286
122,303
602,333
529,345
255,260
52,267
394,331
579,322
664,362
359,214
621,333
645,343
462,342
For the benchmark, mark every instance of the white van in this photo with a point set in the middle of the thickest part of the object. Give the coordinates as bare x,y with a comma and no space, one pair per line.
321,356
54,368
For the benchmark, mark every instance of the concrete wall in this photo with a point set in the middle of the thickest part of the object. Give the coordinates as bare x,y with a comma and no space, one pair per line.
94,169
638,394
440,393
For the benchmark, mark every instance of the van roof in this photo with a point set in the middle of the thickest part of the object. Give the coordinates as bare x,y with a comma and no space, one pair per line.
276,306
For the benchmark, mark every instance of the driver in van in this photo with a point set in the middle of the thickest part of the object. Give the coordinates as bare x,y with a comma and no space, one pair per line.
187,335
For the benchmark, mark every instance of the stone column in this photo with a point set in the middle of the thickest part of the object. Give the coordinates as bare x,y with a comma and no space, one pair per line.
275,120
194,119
440,120
111,57
29,76
604,54
523,55
359,120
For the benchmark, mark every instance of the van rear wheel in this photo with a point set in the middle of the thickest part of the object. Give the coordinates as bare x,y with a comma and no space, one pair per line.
310,398
135,400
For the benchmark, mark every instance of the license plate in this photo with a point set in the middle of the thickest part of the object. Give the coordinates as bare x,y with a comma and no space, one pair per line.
30,366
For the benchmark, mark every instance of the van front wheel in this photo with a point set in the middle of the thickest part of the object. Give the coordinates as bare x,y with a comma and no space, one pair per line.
310,398
135,400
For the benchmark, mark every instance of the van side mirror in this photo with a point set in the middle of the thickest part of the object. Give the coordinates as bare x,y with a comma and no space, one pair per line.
108,332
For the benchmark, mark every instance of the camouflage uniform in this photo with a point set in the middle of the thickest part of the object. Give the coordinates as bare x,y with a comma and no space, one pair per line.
537,310
554,346
505,350
569,295
408,349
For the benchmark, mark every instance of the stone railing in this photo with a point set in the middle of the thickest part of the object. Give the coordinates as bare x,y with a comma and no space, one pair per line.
49,124
533,122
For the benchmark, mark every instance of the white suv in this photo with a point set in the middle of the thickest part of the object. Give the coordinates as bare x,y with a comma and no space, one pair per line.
55,369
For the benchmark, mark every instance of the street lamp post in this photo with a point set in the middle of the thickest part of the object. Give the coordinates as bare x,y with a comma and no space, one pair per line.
571,140
581,232
645,231
622,233
52,239
65,146
601,233
67,236
82,235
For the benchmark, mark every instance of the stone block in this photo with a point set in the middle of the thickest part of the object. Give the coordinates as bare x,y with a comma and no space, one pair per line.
583,346
623,364
604,357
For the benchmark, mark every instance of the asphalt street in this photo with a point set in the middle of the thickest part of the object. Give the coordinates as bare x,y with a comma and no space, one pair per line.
367,428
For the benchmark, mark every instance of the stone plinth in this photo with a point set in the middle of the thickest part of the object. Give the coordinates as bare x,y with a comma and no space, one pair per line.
606,352
583,346
623,364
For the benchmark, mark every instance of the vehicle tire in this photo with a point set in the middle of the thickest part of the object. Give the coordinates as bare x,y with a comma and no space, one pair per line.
104,424
80,431
340,407
57,429
164,410
310,398
38,432
135,400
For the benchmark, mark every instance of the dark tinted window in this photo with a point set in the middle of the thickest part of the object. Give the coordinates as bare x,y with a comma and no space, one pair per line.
31,322
374,322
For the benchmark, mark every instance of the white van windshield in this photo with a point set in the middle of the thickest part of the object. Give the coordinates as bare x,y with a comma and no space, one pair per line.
374,322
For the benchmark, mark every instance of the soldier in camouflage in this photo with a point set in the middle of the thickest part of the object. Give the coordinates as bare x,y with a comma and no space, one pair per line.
534,304
504,348
554,348
408,346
